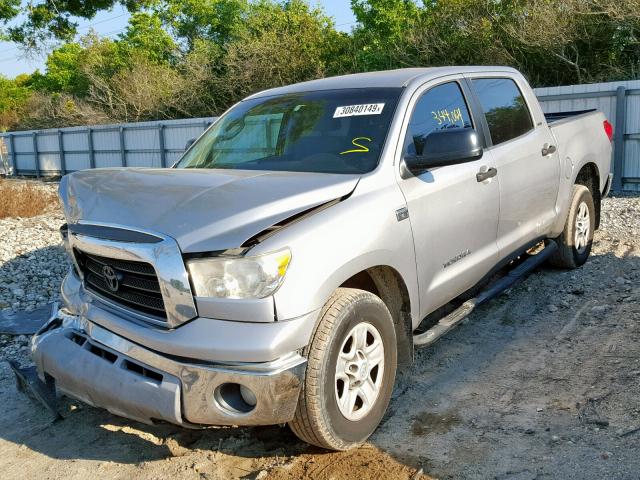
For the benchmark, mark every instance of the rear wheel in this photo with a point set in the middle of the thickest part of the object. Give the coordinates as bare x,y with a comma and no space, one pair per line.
350,372
574,243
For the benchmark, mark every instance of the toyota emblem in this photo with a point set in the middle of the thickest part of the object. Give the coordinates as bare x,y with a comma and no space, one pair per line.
111,278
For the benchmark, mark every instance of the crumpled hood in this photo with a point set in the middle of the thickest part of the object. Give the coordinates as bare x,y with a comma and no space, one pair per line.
203,210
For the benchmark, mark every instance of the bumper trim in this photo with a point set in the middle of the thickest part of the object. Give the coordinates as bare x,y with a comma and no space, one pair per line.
181,392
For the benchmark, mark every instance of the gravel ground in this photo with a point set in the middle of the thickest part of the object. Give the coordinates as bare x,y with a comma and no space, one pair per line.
32,265
543,382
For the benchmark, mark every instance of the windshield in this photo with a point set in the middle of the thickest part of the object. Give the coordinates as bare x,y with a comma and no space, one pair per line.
330,131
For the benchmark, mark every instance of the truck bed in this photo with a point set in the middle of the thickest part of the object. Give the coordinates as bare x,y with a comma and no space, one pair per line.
581,135
558,116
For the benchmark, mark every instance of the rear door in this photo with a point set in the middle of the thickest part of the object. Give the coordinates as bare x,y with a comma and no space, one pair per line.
525,156
453,215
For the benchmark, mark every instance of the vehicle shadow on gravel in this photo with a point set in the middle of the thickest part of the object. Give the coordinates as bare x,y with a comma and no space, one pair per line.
438,405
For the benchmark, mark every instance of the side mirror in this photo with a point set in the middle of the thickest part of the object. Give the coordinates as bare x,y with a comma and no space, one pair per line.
190,142
445,147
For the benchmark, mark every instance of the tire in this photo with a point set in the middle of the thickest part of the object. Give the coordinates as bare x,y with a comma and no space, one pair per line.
319,419
574,246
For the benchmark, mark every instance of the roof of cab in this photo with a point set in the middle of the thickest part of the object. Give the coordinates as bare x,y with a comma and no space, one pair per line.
383,79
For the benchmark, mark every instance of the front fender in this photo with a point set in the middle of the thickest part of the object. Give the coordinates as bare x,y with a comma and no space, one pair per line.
331,246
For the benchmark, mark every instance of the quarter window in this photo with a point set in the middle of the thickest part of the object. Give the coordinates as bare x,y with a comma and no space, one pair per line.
442,107
504,107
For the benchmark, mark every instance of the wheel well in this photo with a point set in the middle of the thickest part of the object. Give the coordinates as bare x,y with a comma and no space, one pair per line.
590,178
386,283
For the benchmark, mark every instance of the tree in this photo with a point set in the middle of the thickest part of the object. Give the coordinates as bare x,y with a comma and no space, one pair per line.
279,44
14,95
44,19
383,25
146,36
143,91
64,71
59,110
8,10
552,42
218,21
180,58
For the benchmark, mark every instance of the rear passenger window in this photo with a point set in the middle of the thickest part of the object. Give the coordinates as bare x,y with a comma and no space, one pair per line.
504,107
442,107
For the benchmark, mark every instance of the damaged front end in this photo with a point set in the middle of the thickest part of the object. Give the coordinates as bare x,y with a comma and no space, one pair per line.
79,359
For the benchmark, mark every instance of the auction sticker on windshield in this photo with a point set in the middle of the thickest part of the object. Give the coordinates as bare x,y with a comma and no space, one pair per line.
354,110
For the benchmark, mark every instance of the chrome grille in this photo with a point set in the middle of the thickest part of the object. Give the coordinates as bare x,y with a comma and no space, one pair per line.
136,284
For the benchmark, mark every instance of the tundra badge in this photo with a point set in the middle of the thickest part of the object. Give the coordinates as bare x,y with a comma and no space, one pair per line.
459,256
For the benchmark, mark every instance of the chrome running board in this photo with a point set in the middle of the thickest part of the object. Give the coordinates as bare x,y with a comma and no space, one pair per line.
448,322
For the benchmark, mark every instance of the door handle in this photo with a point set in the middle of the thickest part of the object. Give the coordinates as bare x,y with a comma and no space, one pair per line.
486,175
548,149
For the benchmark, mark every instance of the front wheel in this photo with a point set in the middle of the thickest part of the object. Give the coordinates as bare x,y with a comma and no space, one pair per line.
351,370
574,243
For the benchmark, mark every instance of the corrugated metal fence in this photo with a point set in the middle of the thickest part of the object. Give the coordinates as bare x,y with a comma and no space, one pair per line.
143,144
620,102
160,144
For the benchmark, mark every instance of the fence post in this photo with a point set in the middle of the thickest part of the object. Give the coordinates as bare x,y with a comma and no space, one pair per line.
92,156
618,155
123,153
14,158
63,163
163,154
35,153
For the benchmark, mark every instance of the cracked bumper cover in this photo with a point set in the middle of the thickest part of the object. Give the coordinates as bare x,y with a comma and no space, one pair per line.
98,367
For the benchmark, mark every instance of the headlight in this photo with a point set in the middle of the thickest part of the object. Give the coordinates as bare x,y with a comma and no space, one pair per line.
239,277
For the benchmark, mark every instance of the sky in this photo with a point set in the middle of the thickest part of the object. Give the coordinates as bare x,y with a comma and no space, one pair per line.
111,23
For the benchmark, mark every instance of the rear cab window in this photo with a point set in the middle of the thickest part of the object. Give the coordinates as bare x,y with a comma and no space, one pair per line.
441,107
504,107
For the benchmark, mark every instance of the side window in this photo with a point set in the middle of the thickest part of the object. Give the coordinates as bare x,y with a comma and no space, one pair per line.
504,107
442,107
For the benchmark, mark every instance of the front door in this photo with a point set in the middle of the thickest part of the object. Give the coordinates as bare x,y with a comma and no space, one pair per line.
454,216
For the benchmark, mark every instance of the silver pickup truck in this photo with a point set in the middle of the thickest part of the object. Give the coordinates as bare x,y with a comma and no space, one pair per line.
281,271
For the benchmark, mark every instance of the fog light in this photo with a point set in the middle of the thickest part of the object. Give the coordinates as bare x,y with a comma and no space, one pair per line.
248,396
234,398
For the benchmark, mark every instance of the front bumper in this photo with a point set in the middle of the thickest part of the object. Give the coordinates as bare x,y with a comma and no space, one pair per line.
88,362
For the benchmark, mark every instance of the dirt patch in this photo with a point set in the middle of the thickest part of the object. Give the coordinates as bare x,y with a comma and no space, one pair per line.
429,422
362,463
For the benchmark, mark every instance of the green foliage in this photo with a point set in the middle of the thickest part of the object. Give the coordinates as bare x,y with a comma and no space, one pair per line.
382,28
13,93
64,72
145,34
279,44
13,97
180,58
215,20
44,19
8,10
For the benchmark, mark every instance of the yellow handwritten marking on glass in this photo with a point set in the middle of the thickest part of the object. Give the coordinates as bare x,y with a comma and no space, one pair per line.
448,116
361,149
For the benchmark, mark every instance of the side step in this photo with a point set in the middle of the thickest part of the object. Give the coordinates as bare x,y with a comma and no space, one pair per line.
448,322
